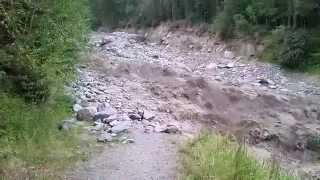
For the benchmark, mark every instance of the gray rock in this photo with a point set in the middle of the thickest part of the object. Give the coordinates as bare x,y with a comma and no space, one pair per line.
67,124
212,66
229,55
114,123
171,129
86,114
230,65
105,137
121,127
148,115
266,82
102,115
77,107
135,116
99,126
106,107
128,141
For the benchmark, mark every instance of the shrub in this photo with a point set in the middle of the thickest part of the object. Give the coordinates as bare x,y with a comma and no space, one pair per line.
294,50
242,26
223,25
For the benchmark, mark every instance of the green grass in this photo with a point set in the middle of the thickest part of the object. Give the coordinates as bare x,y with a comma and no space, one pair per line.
212,157
32,146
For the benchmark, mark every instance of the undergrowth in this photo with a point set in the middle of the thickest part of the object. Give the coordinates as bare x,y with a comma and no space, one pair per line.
212,157
39,43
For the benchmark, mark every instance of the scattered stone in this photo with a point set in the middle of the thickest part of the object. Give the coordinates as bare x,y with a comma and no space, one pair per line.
230,65
266,82
229,55
135,116
106,107
148,115
212,66
300,146
273,87
102,115
128,141
77,107
226,66
99,126
121,127
114,123
171,129
155,57
104,137
86,114
67,125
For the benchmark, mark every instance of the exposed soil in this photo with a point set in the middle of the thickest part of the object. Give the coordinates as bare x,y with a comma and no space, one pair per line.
192,82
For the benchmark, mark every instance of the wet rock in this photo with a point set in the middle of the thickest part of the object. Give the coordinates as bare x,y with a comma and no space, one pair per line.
120,127
105,137
171,129
86,114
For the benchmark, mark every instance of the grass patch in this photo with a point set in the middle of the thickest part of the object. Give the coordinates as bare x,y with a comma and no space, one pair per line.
32,146
212,157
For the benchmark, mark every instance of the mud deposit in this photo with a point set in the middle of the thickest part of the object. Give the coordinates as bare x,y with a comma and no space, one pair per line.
193,82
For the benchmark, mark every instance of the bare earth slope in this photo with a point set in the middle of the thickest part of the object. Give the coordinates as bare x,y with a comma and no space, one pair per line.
191,82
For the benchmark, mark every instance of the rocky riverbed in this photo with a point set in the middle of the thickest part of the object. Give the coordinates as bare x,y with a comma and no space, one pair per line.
170,84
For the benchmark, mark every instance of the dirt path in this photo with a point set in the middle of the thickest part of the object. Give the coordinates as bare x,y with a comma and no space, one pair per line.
184,83
152,157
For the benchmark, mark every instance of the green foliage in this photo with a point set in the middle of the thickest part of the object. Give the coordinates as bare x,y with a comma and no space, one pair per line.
242,26
39,41
216,157
294,52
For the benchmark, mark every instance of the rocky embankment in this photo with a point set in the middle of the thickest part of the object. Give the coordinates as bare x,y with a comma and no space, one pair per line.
175,82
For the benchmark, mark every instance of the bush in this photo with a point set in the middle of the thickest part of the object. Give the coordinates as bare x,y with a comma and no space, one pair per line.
294,51
39,42
223,26
242,26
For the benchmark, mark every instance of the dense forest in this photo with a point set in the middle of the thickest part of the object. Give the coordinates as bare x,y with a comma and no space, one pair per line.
40,40
288,27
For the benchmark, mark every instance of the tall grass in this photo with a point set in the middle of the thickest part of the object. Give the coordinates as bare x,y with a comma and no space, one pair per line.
32,145
216,158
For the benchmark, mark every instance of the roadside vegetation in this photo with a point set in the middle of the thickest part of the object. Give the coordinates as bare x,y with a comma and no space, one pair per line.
39,42
288,28
216,157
